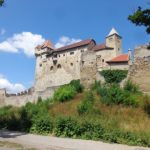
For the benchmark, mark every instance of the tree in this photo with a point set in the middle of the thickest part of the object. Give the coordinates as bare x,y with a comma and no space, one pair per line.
1,2
141,18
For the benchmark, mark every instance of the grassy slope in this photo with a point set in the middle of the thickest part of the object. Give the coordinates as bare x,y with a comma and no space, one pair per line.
125,118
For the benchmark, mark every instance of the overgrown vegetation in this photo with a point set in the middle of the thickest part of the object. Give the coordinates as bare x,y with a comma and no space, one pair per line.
106,112
67,92
113,94
114,76
85,106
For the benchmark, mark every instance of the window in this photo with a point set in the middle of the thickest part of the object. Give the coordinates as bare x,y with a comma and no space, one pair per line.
40,65
103,60
59,66
82,62
55,55
63,54
51,68
71,53
82,50
71,64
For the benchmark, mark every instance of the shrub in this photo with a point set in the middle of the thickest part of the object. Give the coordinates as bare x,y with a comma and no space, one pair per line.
76,84
86,105
114,76
115,95
96,85
147,104
66,126
131,87
64,93
42,124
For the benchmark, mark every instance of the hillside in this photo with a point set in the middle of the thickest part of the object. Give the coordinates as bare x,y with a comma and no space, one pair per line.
105,112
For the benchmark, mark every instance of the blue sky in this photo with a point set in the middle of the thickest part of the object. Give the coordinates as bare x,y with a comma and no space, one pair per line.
24,23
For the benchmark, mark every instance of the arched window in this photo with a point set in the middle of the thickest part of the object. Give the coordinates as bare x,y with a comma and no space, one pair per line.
59,66
103,60
71,64
51,68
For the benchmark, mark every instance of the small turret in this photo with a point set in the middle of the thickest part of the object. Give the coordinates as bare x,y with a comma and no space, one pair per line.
45,48
114,40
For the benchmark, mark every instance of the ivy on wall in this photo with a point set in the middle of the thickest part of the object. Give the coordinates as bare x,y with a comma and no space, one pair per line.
114,76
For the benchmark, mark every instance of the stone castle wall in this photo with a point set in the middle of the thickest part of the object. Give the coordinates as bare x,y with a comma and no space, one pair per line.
58,71
21,99
139,72
88,68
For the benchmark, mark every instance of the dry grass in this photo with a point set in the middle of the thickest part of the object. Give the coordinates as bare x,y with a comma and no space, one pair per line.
12,145
126,118
66,108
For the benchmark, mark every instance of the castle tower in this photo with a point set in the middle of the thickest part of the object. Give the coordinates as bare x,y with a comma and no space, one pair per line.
41,53
114,40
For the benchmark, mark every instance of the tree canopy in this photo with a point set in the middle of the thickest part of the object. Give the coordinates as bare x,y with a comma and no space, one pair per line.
1,2
141,18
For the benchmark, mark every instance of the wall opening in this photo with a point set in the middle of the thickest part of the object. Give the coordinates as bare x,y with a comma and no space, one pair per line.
51,68
59,66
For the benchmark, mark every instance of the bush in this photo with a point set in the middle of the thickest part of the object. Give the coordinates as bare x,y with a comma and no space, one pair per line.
114,76
147,104
64,93
42,124
115,95
66,127
131,87
86,105
76,84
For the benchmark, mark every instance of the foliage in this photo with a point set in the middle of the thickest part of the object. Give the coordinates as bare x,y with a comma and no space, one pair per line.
76,84
141,18
65,126
1,2
86,105
131,87
114,76
113,94
64,93
147,104
69,127
42,124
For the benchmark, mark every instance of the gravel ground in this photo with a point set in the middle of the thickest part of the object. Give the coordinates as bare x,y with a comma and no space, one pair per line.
22,141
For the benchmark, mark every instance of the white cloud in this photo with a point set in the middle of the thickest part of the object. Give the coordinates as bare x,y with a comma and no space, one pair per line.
10,87
2,31
23,42
63,41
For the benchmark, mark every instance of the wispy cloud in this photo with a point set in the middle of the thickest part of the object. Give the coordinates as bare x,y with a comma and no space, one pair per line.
23,42
64,40
10,87
2,31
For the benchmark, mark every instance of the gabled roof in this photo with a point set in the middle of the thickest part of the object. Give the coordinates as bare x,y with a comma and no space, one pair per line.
120,58
46,44
101,47
78,44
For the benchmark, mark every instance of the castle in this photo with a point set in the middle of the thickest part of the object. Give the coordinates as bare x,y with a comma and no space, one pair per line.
82,60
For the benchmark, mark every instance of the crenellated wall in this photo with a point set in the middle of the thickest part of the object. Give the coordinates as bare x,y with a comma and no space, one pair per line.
24,97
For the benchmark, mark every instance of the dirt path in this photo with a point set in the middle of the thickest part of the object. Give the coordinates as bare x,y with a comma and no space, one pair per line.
21,141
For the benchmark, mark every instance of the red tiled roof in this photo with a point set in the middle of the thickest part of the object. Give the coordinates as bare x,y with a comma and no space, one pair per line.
120,58
78,44
101,47
46,44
